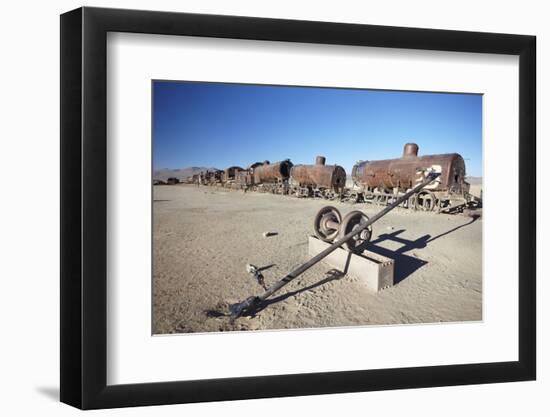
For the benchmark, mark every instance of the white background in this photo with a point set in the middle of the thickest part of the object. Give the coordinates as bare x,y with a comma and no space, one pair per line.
133,60
29,209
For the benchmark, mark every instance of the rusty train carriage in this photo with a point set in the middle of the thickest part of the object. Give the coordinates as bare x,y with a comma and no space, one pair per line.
244,180
272,178
384,180
381,182
214,177
230,175
318,180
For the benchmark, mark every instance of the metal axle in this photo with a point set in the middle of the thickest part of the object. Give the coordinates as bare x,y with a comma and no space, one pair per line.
253,302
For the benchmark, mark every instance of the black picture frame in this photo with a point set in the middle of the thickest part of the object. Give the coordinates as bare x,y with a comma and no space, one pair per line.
84,207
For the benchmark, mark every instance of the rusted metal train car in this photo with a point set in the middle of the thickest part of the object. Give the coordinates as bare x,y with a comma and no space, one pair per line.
384,180
272,178
318,180
230,175
265,177
214,177
245,179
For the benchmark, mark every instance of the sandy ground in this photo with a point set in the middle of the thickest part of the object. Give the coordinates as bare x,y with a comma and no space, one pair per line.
475,189
203,238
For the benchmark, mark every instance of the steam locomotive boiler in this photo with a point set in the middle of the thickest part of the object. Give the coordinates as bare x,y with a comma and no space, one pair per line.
383,181
319,180
272,178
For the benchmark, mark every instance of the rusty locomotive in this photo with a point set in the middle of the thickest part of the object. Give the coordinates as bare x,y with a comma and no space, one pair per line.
263,177
380,182
211,177
318,180
283,177
384,180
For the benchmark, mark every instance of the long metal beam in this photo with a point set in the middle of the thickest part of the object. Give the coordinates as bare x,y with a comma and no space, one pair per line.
250,303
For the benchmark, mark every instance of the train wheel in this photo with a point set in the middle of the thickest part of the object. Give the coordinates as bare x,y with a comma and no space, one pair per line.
322,221
425,201
352,221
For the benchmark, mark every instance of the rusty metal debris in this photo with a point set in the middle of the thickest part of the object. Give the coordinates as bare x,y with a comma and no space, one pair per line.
354,231
254,270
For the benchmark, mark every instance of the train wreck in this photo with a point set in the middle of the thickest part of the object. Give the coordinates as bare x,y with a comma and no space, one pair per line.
319,180
378,182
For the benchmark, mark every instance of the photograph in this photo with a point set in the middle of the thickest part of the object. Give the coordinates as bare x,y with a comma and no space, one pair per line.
280,204
299,207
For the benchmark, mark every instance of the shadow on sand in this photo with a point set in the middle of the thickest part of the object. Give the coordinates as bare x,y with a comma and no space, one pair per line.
405,264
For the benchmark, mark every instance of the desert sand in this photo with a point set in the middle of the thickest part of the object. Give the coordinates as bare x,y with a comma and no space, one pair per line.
204,237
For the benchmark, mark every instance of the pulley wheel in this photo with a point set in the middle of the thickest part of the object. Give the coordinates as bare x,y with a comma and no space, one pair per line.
327,215
352,221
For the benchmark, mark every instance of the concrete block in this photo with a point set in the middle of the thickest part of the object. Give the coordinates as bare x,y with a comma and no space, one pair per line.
374,270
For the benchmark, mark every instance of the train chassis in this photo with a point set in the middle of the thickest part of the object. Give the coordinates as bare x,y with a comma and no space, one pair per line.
426,200
315,192
439,201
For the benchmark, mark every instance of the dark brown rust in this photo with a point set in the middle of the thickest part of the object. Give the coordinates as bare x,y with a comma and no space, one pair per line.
272,173
319,175
255,165
410,150
402,173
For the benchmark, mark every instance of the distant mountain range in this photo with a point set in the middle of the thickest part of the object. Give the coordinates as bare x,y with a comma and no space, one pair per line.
181,173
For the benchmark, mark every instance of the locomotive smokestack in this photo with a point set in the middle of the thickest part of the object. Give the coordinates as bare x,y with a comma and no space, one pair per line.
410,150
320,160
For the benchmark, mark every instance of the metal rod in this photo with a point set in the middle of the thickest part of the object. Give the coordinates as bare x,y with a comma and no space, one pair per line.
240,308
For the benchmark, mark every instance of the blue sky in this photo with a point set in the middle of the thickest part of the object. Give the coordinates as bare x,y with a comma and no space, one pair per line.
220,125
